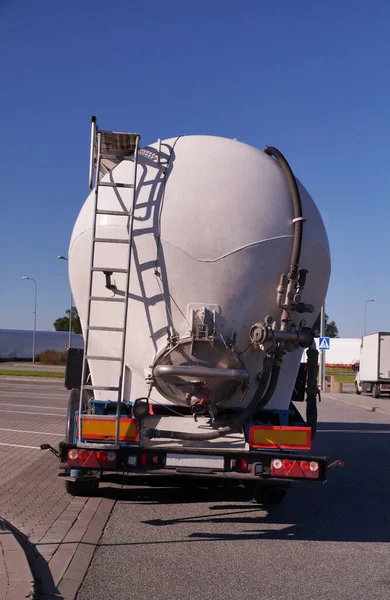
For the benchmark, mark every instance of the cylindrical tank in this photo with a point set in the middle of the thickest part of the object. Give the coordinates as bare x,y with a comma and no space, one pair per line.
213,232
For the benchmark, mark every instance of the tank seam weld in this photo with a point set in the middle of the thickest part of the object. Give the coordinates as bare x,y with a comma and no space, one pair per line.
213,260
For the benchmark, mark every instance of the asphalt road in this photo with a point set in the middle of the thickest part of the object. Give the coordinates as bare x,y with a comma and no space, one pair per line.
323,542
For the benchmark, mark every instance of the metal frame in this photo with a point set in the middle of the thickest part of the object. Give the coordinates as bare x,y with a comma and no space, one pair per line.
254,457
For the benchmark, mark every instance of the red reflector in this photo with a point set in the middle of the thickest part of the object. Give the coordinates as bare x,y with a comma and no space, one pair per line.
144,459
244,465
155,460
91,461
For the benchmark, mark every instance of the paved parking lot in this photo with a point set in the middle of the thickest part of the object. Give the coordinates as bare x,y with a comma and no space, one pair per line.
62,530
326,541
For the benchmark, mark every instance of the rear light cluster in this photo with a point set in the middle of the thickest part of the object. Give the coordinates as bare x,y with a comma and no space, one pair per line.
239,465
91,458
146,460
301,469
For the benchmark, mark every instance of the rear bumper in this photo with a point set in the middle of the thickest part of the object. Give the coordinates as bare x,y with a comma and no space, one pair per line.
243,465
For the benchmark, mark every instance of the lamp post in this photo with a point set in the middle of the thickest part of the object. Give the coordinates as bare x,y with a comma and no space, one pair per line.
35,314
70,311
365,315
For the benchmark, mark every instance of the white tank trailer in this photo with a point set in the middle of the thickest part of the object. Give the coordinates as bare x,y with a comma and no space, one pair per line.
229,267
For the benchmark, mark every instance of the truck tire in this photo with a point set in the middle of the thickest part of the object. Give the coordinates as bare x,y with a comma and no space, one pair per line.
357,391
376,392
82,488
268,494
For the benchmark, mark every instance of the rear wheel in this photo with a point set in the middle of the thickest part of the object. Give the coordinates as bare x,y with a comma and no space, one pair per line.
82,488
268,494
376,392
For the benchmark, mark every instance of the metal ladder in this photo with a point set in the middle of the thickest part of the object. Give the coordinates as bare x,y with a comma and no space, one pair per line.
112,146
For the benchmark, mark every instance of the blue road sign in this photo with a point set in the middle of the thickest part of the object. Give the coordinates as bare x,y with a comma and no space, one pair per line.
324,343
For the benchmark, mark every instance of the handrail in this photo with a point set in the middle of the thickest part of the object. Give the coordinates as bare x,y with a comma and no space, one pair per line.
92,153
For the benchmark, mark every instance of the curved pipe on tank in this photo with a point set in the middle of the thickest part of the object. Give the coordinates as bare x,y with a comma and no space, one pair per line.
166,371
265,389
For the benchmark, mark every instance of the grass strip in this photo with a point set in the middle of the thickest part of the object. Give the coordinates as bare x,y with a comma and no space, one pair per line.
19,373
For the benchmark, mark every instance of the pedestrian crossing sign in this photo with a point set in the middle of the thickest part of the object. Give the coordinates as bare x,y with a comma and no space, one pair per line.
324,343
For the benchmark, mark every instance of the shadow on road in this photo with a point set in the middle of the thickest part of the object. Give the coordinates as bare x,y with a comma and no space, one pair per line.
351,507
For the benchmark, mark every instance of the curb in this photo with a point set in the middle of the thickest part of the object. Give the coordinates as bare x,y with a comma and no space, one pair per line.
16,579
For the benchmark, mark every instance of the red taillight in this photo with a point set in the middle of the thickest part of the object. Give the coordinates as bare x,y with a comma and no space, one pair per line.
239,464
144,460
295,469
91,459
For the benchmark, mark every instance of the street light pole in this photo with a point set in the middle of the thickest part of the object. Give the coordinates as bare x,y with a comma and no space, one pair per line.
365,315
35,315
70,311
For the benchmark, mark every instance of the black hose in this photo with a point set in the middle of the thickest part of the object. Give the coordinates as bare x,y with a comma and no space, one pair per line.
297,204
260,398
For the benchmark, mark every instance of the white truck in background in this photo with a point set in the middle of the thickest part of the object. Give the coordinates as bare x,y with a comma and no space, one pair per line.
373,376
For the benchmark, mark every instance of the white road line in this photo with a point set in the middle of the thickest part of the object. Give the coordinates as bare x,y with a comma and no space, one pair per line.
386,431
56,397
25,412
35,405
19,446
25,431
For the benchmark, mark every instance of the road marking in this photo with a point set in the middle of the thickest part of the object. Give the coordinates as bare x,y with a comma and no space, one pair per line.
25,412
362,406
35,405
25,431
56,397
386,431
19,446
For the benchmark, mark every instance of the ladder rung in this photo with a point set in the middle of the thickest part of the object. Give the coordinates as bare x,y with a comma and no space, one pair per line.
111,240
103,299
112,358
106,388
119,213
113,184
117,156
97,328
109,269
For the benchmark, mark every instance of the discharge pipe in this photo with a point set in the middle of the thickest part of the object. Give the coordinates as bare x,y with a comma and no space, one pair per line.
263,394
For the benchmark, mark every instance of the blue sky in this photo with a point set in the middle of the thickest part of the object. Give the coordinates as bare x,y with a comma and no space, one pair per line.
311,78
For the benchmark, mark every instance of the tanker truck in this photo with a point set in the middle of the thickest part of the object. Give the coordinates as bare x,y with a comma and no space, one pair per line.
198,265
